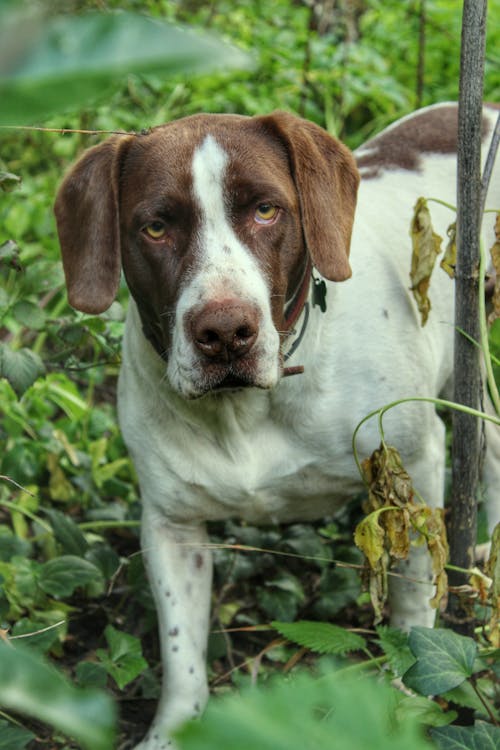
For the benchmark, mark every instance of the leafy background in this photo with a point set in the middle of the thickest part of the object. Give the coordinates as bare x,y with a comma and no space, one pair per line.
72,584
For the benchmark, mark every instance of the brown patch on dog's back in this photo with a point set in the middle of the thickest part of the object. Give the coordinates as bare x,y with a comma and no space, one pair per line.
433,130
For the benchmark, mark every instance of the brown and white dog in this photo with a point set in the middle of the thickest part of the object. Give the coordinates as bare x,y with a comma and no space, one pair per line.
230,230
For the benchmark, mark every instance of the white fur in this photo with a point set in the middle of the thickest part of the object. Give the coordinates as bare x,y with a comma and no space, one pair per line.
285,453
226,268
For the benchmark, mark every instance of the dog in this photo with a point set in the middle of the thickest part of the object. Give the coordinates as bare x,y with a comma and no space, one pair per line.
255,342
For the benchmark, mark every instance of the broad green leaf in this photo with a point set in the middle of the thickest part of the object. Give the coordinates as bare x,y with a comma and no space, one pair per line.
444,660
59,389
306,713
13,737
481,736
67,533
36,634
21,368
51,64
91,674
124,660
29,314
279,604
9,181
394,644
321,637
33,688
424,710
61,576
103,557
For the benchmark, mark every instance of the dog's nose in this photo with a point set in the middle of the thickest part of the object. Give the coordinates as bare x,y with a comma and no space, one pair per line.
225,331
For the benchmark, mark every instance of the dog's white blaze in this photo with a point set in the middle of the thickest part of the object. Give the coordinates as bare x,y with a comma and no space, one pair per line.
223,255
226,268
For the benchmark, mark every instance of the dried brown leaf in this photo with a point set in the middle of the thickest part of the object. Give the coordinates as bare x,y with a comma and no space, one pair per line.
426,247
429,522
495,259
493,570
449,260
388,481
384,535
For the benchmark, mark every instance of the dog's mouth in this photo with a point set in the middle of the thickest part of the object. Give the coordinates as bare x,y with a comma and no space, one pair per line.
232,382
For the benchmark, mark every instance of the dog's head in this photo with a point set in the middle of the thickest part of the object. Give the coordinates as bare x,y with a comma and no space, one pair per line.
214,218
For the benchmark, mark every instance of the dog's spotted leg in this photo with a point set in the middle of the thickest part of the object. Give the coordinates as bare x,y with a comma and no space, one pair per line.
180,572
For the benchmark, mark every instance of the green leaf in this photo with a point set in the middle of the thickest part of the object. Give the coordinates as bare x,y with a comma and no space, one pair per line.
67,533
61,576
37,635
426,711
13,737
444,660
306,713
124,660
394,644
21,368
29,685
9,181
29,314
91,674
320,637
50,64
481,736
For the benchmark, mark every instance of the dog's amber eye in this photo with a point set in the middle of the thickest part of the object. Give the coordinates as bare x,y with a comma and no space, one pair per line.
156,230
265,213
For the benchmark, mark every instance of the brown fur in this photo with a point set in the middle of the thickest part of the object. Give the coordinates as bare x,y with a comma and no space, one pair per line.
401,147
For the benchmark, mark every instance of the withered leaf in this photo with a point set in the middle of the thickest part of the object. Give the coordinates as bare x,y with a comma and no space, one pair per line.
388,481
449,260
384,535
397,526
426,247
493,570
495,258
369,537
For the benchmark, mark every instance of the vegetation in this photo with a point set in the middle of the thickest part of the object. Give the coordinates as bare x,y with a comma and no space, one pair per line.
72,584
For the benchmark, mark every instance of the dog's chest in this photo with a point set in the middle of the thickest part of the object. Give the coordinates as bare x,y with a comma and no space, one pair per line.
262,473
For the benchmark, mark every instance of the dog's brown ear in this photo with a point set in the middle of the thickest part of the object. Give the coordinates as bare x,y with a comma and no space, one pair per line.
326,178
88,225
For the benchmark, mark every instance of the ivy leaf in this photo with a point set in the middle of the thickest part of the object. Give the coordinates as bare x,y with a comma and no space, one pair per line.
394,644
13,737
21,368
61,576
424,710
123,660
444,660
320,637
481,736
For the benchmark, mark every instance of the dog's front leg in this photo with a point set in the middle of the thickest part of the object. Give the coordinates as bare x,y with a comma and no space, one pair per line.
179,568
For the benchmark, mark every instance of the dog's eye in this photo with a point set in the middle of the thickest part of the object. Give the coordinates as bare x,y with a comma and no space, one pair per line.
265,213
156,230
